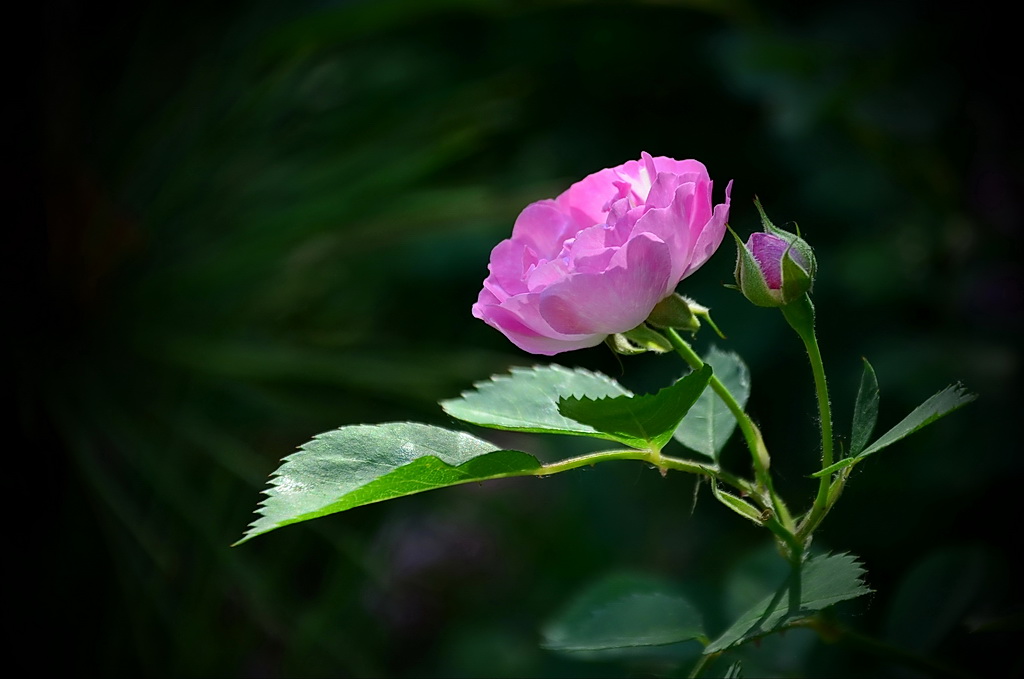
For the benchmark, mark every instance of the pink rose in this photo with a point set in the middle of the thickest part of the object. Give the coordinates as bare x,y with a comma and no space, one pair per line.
595,260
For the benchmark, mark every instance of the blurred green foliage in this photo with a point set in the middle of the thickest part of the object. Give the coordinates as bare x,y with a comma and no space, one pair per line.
265,220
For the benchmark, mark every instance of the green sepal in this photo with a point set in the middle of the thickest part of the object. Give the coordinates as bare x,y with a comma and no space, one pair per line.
765,222
674,312
738,505
705,313
749,279
648,338
620,344
682,313
795,280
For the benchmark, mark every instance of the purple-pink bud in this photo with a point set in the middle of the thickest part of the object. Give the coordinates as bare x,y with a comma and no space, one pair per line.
768,249
774,267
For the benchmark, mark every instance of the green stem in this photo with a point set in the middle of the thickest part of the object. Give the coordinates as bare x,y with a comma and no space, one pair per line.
702,662
752,435
795,546
800,316
651,456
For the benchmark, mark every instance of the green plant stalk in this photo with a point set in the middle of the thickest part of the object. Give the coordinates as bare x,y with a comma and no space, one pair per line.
701,663
654,457
800,316
751,433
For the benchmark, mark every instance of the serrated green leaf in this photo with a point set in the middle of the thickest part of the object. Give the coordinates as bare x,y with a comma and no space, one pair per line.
527,400
709,424
750,577
622,611
358,465
643,422
865,410
820,582
939,405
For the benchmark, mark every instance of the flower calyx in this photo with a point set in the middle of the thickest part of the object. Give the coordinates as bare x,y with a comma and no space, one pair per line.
774,267
640,339
681,313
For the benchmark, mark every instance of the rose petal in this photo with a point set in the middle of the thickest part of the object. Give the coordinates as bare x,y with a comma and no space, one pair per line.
546,273
688,170
510,259
589,252
615,300
663,191
669,225
586,201
768,250
697,203
543,226
711,235
518,319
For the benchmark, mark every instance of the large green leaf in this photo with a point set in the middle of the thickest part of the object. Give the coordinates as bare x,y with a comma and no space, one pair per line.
358,465
939,405
527,400
623,611
820,582
865,410
709,424
643,422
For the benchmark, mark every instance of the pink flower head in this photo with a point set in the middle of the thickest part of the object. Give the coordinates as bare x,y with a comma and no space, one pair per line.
597,259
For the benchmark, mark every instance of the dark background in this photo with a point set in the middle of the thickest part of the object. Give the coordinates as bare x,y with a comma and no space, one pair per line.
247,223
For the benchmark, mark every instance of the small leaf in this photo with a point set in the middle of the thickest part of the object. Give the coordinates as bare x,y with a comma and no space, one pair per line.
865,410
820,582
527,400
622,611
643,422
738,505
709,424
358,465
939,405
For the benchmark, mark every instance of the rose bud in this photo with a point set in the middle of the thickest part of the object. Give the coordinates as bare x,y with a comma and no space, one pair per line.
775,267
596,260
